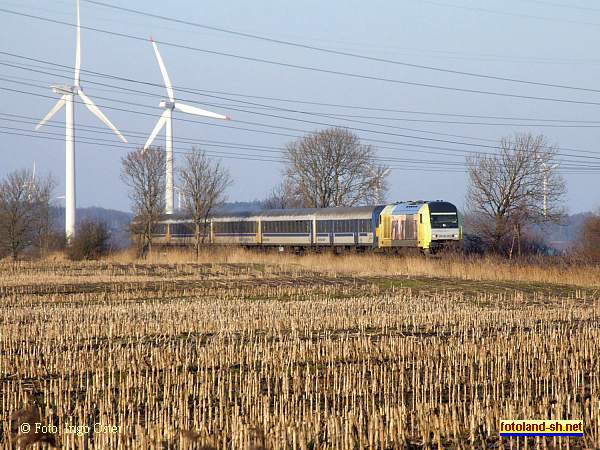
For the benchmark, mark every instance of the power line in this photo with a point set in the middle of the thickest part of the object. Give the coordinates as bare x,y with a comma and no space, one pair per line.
401,168
119,146
562,5
506,13
336,52
570,123
277,150
197,91
313,122
306,131
310,68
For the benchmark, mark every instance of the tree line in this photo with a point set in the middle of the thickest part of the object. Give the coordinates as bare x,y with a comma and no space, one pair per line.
509,191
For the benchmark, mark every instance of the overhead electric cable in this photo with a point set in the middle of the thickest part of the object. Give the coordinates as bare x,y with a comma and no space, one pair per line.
319,123
335,52
278,99
311,68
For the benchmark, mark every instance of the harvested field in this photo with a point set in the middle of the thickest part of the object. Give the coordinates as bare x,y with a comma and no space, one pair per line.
269,355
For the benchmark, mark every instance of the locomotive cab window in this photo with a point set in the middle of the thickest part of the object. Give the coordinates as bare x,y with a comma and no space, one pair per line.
444,220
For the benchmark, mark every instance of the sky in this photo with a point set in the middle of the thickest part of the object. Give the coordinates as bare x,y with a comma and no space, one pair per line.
423,132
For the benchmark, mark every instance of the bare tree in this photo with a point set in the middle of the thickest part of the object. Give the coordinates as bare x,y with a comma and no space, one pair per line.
514,187
143,171
589,239
333,168
282,196
24,211
42,190
204,182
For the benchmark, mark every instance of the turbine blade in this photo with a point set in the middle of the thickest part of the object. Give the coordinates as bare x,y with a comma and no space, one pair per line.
161,123
59,104
94,109
78,49
199,112
163,71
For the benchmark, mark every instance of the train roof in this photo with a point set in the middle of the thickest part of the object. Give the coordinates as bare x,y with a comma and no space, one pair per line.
320,213
300,212
339,212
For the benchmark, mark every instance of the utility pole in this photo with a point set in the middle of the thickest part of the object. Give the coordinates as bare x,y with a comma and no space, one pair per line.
547,170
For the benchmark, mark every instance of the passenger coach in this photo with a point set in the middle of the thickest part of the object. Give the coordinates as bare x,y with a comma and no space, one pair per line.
418,224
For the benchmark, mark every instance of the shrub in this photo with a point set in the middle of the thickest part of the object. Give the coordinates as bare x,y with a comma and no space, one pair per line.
90,241
590,239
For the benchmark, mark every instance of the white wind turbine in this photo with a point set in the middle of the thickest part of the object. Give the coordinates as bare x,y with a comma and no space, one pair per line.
68,101
166,120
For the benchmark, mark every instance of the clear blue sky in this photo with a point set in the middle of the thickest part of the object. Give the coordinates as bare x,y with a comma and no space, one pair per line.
530,39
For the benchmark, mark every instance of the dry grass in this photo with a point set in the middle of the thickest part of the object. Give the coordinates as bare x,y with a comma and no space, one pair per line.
270,354
553,271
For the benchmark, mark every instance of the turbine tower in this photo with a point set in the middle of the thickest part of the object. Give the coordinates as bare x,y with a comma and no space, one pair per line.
67,100
166,120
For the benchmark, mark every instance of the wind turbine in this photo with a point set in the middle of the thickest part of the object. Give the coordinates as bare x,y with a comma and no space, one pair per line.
166,120
68,93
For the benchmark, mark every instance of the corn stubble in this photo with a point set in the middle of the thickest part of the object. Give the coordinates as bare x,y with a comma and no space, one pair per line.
215,356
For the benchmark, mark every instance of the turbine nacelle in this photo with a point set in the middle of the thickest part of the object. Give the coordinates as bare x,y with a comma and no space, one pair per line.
64,89
166,104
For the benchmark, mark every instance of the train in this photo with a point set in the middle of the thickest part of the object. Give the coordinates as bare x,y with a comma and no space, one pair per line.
424,225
